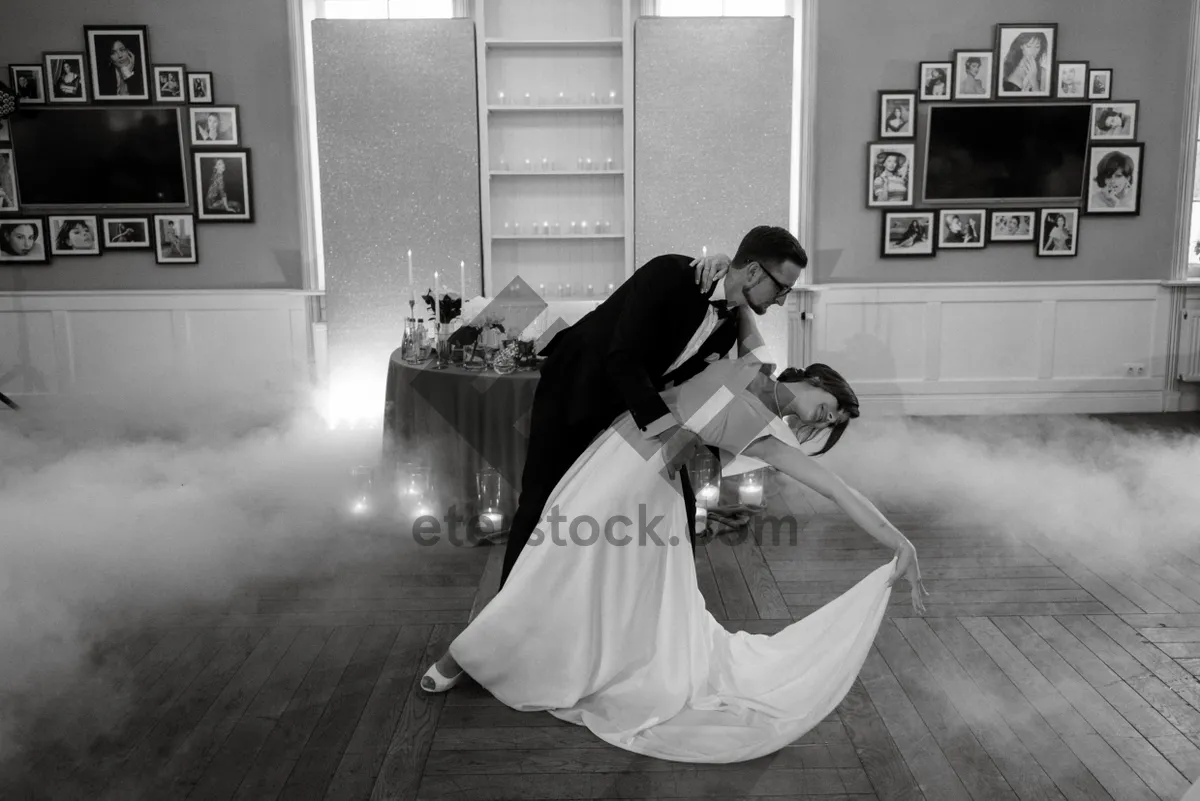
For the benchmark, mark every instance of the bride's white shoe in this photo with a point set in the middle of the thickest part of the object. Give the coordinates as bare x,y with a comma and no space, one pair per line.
434,682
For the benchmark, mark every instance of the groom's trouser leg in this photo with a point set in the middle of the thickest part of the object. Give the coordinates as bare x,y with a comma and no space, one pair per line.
553,448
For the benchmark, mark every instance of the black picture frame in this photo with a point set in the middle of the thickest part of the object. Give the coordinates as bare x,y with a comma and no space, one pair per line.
188,258
10,190
906,149
931,220
193,131
981,236
7,259
106,86
988,75
1080,66
204,184
195,99
111,242
1094,203
53,234
923,77
909,132
1106,93
180,73
50,62
35,71
1122,136
1041,244
1029,236
1050,59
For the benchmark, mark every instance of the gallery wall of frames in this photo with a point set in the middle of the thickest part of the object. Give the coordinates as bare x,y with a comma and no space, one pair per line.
103,148
1019,146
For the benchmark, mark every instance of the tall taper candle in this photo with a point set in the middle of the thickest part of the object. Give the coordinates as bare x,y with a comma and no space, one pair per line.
462,279
437,299
704,252
411,284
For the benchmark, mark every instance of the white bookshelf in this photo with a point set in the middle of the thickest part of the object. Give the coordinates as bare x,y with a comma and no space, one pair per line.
556,143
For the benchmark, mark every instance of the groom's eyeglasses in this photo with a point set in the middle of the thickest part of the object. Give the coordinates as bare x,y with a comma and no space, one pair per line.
780,289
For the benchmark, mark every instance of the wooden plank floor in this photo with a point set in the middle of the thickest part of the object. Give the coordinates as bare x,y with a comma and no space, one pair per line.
1036,674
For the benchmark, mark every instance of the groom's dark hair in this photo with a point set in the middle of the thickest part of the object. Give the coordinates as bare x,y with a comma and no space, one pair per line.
769,244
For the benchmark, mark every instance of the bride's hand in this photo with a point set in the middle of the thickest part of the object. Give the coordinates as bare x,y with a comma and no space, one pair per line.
710,270
906,565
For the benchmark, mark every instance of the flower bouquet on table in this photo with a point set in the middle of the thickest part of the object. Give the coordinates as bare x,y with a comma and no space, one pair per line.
484,332
447,310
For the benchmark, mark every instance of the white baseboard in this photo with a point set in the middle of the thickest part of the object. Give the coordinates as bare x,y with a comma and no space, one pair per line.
1004,404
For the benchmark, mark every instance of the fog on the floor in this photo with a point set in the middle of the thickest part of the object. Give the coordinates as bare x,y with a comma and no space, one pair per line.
1102,491
144,505
114,510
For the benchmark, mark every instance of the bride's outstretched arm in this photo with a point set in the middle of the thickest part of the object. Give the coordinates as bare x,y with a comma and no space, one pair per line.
811,473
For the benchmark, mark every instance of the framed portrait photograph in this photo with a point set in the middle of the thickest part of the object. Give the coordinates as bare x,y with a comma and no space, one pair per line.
175,239
74,235
908,234
973,74
897,115
1114,179
1071,82
119,62
222,181
214,126
1058,232
1025,59
9,199
1114,121
1012,225
961,228
23,241
170,81
890,174
66,78
29,83
200,88
126,233
1100,84
935,79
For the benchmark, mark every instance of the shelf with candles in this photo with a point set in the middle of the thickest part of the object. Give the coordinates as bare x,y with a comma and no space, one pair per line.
556,173
557,237
608,41
611,107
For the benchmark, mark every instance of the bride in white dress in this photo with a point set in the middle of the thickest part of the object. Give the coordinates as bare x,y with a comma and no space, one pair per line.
602,623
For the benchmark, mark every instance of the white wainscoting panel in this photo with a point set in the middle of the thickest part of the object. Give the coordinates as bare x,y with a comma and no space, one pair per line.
82,343
995,348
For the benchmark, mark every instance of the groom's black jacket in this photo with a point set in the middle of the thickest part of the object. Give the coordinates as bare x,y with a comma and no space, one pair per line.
615,357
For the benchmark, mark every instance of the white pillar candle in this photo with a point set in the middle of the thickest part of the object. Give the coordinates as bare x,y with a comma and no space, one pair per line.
701,519
491,522
707,496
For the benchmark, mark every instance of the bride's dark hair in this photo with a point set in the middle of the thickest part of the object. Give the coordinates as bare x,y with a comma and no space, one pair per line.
825,377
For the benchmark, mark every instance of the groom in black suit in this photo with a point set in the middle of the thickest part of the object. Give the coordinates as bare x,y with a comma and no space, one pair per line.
658,328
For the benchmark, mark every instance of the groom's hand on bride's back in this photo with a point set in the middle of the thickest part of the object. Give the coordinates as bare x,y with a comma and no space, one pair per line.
680,445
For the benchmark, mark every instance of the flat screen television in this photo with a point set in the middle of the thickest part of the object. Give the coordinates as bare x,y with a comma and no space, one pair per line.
118,157
1019,153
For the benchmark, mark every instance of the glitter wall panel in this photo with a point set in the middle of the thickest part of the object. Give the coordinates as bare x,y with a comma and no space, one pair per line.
712,136
398,138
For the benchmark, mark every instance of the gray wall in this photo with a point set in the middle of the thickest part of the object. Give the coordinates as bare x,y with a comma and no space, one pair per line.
868,45
244,44
398,133
712,135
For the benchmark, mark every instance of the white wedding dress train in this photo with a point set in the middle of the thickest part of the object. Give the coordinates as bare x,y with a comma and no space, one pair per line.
611,632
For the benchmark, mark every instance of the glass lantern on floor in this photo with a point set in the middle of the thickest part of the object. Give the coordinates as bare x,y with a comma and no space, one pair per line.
362,480
487,499
413,489
704,473
752,489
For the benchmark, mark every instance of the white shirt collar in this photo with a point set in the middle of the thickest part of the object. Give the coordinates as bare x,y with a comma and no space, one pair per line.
718,292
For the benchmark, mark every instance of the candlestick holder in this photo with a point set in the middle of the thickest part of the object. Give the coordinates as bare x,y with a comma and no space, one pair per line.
442,350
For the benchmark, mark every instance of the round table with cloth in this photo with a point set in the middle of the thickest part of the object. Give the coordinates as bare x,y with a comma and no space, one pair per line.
458,422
